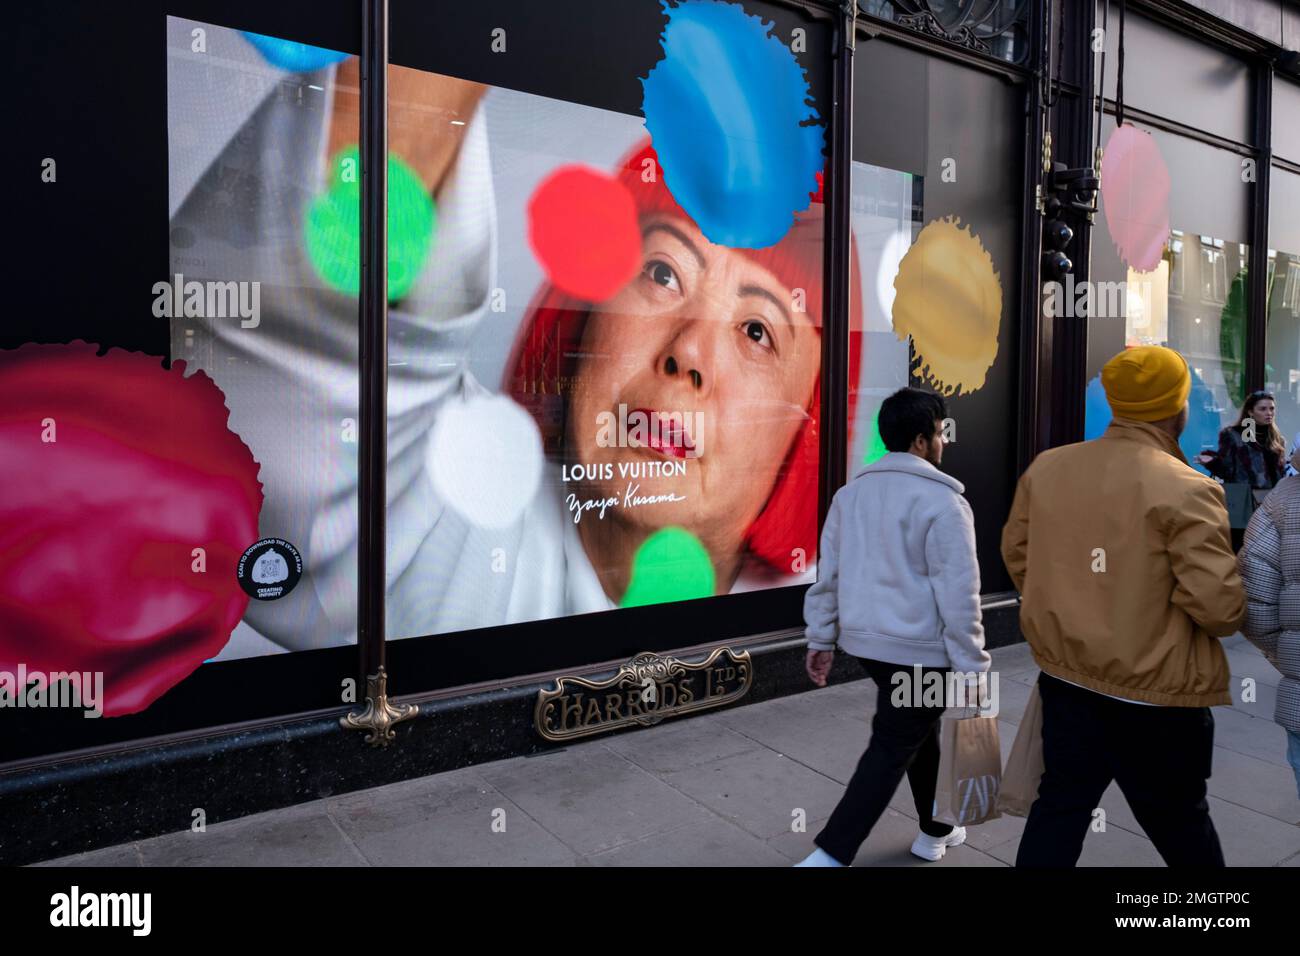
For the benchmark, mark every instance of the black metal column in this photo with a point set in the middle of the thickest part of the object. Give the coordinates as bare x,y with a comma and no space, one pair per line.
1257,273
1073,120
1035,372
373,457
835,325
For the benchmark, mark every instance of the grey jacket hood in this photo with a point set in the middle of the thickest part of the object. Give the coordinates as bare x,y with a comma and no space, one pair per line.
907,463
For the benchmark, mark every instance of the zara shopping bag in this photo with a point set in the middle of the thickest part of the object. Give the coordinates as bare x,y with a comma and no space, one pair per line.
1024,767
970,771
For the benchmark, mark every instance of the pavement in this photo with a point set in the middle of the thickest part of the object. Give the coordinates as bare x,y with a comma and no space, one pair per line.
750,786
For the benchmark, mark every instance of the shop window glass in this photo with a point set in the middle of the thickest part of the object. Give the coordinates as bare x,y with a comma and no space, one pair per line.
1191,298
264,191
936,222
604,384
885,218
1170,74
1282,348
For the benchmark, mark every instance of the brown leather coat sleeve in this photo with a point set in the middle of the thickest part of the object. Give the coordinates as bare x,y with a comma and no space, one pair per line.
1015,535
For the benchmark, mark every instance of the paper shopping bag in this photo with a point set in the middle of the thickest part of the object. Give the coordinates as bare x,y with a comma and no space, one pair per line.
1024,767
970,771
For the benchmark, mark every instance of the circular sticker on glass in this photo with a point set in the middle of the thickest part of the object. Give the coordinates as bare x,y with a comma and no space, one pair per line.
269,569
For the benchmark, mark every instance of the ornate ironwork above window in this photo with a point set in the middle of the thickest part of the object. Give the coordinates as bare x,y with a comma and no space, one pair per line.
996,28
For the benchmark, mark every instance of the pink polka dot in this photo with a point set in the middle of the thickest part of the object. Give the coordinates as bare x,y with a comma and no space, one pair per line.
1135,197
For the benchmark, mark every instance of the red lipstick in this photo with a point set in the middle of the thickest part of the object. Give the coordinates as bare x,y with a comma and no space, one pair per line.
666,434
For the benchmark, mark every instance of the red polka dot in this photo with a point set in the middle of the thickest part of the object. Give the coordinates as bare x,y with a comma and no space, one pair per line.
818,196
98,528
582,226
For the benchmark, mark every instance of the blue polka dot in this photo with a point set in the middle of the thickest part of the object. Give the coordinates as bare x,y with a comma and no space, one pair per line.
291,56
1203,422
1096,410
724,110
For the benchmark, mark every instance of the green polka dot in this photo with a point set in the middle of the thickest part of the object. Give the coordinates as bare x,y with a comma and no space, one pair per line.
1232,340
333,226
876,449
670,565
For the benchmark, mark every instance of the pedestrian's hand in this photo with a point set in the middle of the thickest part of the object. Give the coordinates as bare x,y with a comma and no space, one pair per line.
973,690
818,666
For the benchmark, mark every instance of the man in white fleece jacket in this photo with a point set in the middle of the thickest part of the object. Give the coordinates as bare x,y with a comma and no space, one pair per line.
897,587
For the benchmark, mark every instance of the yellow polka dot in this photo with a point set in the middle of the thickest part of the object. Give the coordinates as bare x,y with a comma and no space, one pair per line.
949,300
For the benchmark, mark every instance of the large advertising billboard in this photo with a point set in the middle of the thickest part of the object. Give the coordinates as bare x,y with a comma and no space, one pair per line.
597,398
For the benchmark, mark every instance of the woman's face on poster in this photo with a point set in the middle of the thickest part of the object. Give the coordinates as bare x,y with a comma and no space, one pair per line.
723,354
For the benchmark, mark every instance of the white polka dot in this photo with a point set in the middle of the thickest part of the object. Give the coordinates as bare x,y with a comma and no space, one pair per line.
485,459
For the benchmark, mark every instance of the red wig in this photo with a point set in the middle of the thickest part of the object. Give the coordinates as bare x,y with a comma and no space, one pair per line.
545,356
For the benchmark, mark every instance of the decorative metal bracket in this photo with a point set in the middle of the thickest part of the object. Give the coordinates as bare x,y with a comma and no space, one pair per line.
379,715
927,23
981,26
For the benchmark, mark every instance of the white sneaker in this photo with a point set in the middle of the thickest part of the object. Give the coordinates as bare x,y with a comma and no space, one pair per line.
819,857
933,848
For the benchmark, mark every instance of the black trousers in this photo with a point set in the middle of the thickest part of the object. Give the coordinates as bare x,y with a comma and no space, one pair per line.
1238,536
904,740
1159,756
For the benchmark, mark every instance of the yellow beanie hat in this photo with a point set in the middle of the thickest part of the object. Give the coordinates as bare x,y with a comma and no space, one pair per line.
1146,383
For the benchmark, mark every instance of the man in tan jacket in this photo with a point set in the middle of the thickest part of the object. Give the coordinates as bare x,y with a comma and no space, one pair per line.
1121,553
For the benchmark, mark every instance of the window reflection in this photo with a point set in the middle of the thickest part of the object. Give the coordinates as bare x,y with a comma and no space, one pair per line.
1282,352
1208,326
886,217
1194,301
1176,263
